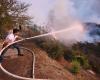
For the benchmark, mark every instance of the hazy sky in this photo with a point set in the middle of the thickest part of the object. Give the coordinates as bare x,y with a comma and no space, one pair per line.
86,10
39,9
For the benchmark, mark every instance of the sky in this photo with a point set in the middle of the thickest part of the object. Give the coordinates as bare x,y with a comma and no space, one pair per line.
39,10
86,10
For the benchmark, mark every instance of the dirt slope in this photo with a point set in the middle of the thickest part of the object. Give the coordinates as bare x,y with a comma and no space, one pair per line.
45,67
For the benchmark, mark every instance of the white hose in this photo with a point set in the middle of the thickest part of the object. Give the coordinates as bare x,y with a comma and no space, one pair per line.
19,77
13,75
33,60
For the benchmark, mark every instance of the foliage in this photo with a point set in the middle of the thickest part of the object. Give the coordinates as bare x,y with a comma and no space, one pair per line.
12,13
89,55
53,48
83,62
79,54
75,67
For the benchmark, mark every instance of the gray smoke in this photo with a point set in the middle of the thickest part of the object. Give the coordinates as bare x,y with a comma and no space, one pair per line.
88,10
71,14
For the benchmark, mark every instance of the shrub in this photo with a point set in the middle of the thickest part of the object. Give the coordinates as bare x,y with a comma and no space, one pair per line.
56,52
75,67
81,58
53,48
83,62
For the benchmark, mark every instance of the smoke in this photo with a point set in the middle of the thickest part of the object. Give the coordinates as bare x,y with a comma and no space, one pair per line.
64,15
88,10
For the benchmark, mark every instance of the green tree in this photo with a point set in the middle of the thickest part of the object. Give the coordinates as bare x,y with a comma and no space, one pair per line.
12,13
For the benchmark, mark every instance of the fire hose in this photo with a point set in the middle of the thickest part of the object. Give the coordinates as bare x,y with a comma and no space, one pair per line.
24,78
33,64
16,76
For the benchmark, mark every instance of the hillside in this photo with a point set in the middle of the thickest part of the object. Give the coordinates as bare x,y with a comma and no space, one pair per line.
45,67
65,46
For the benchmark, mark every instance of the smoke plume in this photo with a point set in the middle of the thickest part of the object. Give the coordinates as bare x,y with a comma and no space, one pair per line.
64,16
